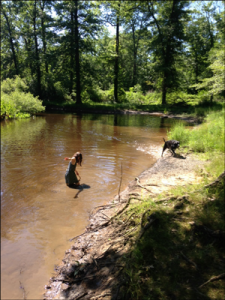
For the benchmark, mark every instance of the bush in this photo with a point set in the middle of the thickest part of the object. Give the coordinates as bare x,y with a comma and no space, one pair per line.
15,101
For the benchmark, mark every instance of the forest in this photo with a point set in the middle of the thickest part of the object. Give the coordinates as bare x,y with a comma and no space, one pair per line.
121,52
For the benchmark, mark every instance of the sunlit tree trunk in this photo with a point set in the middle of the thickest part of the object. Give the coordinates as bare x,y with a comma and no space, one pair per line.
37,62
11,42
116,67
77,56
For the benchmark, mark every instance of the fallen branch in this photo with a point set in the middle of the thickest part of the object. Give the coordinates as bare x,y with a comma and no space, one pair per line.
120,182
215,278
70,240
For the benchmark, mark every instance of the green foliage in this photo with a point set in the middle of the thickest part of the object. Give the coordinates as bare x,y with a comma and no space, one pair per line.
180,133
214,84
153,45
208,137
15,101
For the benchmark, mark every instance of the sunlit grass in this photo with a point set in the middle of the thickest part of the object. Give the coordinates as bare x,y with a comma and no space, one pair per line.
208,137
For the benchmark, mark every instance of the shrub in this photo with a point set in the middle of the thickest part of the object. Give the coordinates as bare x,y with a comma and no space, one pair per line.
15,101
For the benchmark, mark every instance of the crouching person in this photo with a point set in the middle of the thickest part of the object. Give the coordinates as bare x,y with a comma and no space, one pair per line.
72,175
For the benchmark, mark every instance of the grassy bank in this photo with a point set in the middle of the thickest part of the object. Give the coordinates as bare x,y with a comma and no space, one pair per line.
181,255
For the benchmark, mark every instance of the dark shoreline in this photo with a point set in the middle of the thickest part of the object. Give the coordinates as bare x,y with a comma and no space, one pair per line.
190,118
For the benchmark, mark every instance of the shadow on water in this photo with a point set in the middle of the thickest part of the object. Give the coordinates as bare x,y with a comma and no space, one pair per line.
80,188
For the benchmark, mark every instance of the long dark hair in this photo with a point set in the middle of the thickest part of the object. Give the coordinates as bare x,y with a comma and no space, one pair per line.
78,157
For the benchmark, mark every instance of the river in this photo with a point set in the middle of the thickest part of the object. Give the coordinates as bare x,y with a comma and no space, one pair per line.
39,213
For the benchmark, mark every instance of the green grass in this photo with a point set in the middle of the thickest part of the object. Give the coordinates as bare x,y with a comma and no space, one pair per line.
208,137
157,266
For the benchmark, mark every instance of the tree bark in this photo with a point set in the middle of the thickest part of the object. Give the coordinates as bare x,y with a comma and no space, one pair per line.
116,67
134,58
77,56
11,42
72,37
42,5
38,70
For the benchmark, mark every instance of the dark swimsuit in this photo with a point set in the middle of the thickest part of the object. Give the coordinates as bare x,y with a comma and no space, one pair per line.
70,175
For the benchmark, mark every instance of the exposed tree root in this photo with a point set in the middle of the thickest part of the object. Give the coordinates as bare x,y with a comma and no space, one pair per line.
219,180
142,186
100,296
151,219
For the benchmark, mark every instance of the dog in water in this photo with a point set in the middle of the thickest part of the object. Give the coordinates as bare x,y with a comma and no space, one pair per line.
172,145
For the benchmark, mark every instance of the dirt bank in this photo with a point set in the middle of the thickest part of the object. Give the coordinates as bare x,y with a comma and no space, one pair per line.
92,266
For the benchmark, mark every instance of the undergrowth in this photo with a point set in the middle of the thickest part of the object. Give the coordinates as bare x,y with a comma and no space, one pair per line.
184,247
208,137
172,260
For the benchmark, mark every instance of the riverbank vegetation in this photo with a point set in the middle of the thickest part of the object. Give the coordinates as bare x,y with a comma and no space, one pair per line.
140,55
17,101
180,254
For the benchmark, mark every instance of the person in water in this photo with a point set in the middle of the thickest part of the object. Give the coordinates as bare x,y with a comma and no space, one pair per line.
71,172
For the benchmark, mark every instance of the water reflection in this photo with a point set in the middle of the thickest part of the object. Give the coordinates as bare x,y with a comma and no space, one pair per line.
39,212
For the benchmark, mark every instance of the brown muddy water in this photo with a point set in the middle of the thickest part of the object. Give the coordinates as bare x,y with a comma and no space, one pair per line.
39,213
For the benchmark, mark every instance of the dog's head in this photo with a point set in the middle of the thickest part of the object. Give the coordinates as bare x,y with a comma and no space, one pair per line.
176,144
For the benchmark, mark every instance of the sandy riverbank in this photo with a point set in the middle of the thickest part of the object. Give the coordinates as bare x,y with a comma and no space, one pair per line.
91,267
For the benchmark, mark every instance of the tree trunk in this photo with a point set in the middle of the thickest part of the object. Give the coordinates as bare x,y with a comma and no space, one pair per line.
164,90
38,70
42,5
134,58
11,43
71,51
116,67
77,55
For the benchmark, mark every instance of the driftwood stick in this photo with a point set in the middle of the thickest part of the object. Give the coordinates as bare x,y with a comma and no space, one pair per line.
120,182
221,276
24,292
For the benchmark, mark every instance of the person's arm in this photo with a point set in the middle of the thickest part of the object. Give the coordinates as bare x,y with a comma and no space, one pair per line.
73,160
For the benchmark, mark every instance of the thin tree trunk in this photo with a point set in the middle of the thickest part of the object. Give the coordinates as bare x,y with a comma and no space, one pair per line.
71,52
11,43
42,5
168,57
134,58
37,51
116,67
164,90
77,56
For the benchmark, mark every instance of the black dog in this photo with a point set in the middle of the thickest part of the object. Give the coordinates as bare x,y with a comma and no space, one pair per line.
171,145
